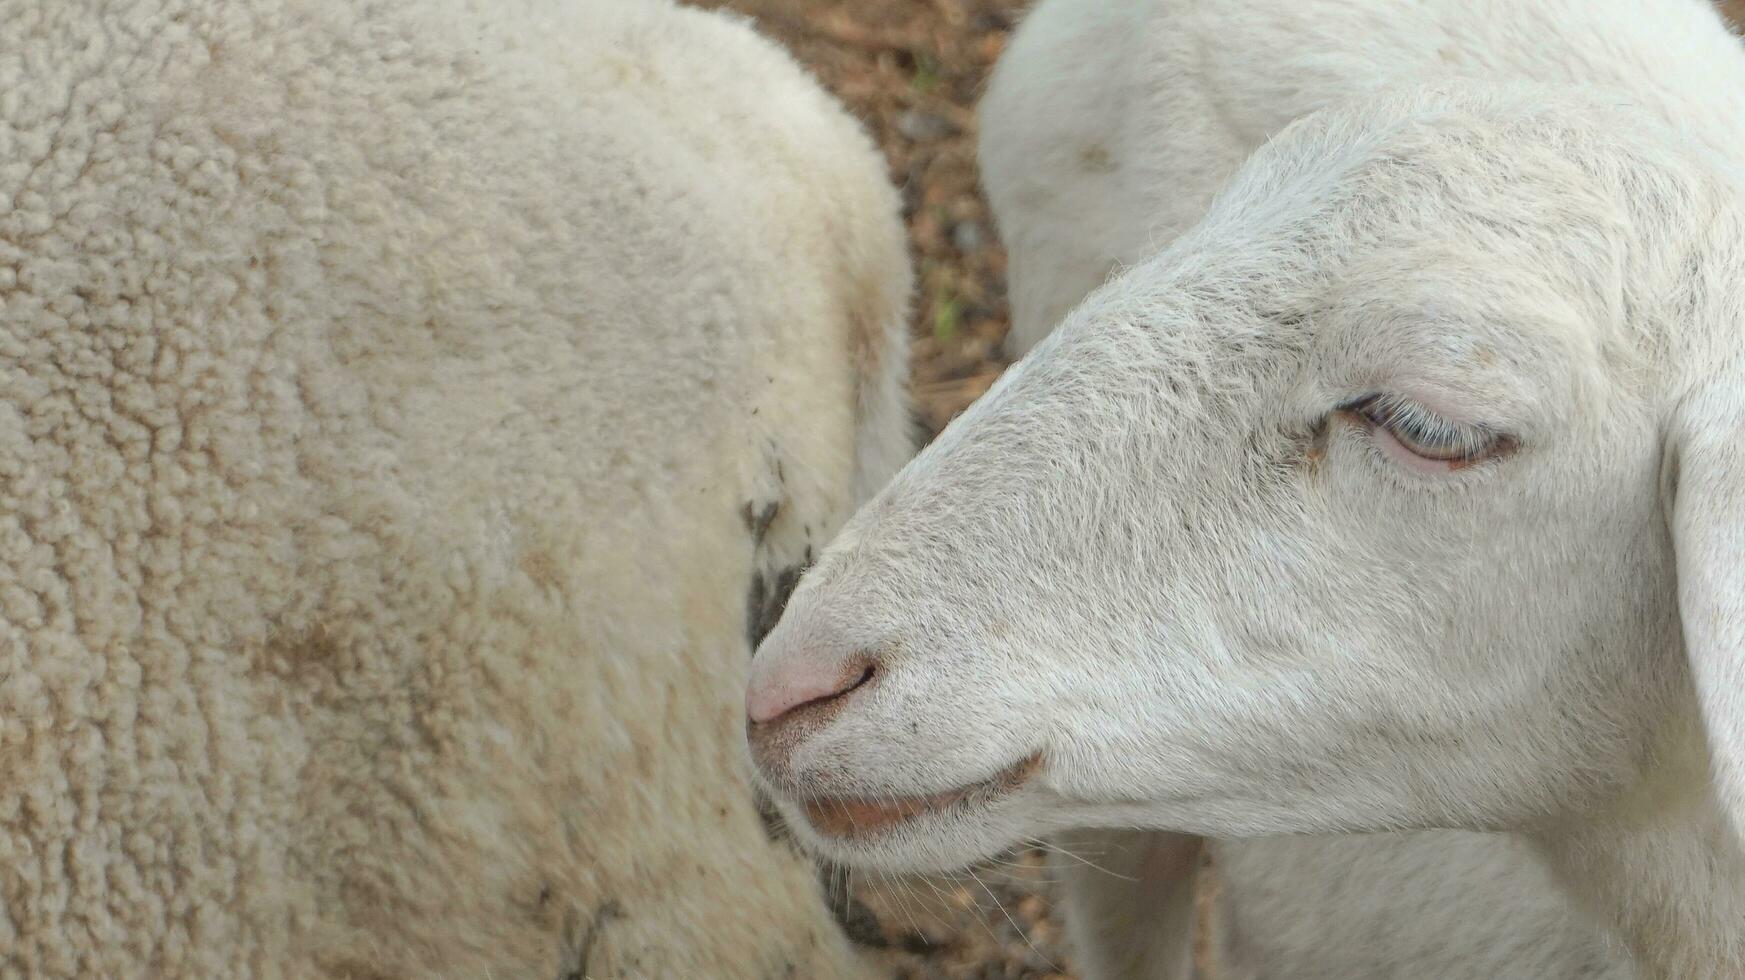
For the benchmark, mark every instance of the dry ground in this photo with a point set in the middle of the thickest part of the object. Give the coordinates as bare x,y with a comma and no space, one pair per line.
913,70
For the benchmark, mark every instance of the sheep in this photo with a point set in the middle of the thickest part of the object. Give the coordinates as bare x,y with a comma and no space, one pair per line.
1387,488
411,411
1064,179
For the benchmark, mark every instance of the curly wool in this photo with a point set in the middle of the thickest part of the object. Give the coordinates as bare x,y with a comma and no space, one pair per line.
384,391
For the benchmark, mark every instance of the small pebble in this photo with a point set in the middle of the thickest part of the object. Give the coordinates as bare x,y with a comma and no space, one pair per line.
923,127
967,236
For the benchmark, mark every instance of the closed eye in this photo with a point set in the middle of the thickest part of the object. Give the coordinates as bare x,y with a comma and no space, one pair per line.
1426,435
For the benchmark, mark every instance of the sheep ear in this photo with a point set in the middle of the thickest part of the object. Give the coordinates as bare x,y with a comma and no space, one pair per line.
1708,531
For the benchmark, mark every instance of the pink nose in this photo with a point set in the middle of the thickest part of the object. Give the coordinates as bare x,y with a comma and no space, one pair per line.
779,688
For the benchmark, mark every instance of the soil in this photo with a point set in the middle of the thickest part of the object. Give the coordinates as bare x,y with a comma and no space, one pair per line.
912,70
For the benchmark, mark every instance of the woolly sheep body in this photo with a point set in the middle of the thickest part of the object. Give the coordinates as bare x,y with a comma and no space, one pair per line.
401,402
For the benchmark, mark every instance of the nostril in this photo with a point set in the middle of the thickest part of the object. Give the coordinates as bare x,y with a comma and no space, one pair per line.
847,689
787,692
865,676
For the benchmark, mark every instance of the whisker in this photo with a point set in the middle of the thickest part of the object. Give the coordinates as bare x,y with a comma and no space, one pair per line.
895,889
1021,933
1063,852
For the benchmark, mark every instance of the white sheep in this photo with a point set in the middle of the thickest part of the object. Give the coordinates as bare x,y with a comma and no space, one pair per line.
1391,488
1081,190
406,410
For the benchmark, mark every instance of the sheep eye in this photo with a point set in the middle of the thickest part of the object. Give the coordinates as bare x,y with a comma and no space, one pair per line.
1425,434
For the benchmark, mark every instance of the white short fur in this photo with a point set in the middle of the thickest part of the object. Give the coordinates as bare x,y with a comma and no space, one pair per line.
400,404
1101,140
1156,555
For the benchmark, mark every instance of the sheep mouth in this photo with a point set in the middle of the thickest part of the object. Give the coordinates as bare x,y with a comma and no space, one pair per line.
844,817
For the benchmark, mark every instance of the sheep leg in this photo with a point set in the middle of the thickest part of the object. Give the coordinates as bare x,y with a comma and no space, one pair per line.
1129,897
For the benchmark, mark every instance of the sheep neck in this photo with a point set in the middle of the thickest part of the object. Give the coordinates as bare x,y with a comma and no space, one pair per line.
1663,868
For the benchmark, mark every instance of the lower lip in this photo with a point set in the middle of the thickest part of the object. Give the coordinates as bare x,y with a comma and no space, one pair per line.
843,818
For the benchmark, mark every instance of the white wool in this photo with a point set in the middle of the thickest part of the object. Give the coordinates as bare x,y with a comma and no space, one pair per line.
1158,555
406,410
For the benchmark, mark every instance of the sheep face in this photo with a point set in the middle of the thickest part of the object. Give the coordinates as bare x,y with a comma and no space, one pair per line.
1345,513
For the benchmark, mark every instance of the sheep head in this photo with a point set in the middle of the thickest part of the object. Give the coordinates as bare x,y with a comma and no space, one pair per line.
1348,512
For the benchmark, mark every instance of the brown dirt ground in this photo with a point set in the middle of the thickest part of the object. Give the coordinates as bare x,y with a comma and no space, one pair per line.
912,70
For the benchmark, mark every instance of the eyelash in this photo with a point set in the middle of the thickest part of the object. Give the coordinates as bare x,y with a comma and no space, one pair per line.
1427,435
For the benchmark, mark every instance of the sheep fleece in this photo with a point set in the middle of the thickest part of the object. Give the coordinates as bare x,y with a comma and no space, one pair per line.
398,402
